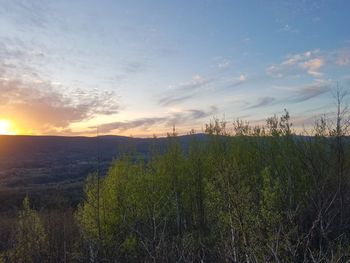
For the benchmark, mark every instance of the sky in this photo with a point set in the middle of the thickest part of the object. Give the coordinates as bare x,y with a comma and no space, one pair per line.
140,67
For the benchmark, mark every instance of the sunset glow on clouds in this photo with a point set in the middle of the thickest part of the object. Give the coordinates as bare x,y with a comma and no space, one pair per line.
140,67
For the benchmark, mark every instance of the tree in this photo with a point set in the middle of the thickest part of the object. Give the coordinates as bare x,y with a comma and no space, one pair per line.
30,239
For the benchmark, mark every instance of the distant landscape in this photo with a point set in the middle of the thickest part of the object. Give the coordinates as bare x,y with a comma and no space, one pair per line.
235,193
40,165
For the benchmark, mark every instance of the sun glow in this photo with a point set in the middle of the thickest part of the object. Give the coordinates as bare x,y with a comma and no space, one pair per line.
6,128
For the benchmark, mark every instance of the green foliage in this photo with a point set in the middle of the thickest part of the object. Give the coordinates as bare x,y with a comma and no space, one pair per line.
257,195
30,240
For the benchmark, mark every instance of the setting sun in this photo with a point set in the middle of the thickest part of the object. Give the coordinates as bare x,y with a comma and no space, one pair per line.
6,128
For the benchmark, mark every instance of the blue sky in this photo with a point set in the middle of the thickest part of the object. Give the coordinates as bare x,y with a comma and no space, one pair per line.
140,67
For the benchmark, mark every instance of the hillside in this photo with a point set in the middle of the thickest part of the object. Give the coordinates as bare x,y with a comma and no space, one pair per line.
40,164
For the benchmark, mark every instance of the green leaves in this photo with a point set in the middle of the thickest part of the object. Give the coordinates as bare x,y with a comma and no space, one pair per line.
30,240
257,196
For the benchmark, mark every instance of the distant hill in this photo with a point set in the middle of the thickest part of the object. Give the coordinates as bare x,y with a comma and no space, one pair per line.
33,164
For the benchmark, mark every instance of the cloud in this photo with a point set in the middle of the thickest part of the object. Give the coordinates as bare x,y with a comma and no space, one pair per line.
313,65
221,63
18,57
288,28
274,71
299,58
124,126
197,82
179,118
263,101
224,63
185,90
168,101
311,61
242,77
237,81
35,103
41,106
310,91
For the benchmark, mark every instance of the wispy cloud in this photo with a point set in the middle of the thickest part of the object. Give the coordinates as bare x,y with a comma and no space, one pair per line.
236,81
179,118
313,65
309,91
224,63
197,82
262,102
310,61
242,77
288,28
185,90
19,58
168,101
295,59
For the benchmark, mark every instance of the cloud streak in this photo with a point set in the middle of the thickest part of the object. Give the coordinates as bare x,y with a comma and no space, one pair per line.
309,91
197,82
185,91
262,102
146,123
168,101
238,81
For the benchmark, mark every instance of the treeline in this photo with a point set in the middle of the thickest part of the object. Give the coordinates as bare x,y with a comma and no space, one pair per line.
249,194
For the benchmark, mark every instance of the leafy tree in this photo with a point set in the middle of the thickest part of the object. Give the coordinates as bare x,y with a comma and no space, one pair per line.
30,239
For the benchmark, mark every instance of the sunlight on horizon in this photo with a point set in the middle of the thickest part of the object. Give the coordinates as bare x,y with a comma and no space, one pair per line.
7,128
